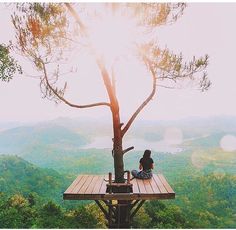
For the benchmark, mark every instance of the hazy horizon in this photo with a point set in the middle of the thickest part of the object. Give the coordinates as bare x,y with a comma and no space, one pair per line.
108,120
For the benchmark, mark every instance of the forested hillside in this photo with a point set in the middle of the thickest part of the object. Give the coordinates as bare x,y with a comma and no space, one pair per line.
202,202
19,211
20,176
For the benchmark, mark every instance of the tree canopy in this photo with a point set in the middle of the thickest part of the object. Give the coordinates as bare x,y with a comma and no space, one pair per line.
52,34
47,34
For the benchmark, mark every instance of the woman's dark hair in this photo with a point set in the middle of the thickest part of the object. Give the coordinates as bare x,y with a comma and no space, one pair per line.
147,154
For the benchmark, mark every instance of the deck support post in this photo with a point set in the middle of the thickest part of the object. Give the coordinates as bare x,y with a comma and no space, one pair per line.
123,217
120,213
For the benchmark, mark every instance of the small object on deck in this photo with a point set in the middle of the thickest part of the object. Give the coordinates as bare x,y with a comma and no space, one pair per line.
119,187
128,177
110,177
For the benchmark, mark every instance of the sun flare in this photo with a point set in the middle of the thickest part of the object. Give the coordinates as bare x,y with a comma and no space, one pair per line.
228,143
113,35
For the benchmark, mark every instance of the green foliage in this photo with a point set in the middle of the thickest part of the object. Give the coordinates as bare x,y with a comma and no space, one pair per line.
142,219
17,175
165,216
210,198
8,66
15,212
172,69
96,213
50,216
84,218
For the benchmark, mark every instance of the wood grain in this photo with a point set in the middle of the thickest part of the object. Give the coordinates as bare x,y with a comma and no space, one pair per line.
93,187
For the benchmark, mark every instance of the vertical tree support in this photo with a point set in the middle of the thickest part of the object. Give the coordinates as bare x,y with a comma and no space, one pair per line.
119,213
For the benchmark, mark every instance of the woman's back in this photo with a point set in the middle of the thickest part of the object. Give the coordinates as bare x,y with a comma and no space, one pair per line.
146,163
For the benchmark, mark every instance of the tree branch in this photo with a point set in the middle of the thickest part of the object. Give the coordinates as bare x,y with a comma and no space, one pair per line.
55,92
76,16
148,99
105,75
128,149
107,82
167,87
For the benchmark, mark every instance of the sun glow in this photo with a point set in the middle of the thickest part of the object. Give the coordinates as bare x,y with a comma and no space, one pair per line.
113,35
228,143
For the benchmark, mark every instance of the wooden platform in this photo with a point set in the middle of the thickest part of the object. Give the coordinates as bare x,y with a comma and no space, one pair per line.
93,187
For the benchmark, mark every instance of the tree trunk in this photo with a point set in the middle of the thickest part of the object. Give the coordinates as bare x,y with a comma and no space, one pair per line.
117,139
118,161
117,146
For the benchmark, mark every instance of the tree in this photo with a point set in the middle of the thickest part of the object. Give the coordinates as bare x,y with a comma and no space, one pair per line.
47,34
15,212
8,65
165,216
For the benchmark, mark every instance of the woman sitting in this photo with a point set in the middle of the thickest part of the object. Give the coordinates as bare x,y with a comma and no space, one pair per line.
146,165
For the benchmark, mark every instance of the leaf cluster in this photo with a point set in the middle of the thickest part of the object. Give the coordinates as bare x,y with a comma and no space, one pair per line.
40,30
8,65
172,69
152,15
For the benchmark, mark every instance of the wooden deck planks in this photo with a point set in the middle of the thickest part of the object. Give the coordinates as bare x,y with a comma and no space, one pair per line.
135,186
103,186
166,184
93,187
90,188
148,186
141,186
98,185
80,184
159,184
74,183
155,188
86,184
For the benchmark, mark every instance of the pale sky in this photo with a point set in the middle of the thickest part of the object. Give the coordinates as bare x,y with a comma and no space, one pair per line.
205,28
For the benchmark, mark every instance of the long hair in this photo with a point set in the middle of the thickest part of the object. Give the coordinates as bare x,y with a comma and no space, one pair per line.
147,154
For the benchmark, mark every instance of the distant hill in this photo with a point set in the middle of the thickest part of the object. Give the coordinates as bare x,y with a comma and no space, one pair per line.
66,133
20,176
16,140
9,125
